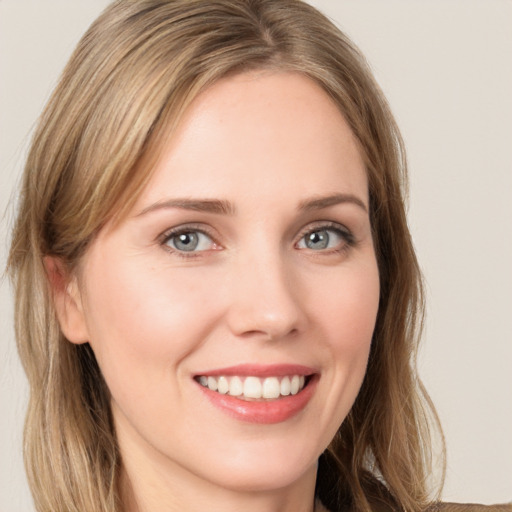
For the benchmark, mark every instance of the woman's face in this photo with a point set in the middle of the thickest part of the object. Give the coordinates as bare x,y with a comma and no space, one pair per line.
231,313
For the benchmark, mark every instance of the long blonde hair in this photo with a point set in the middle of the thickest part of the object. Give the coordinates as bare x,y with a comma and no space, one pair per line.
132,75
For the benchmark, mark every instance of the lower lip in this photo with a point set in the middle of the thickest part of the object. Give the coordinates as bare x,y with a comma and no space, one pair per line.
266,412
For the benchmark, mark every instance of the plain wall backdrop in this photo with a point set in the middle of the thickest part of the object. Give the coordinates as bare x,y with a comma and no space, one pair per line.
445,66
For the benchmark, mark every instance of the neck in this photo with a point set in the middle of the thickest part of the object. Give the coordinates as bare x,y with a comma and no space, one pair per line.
149,482
149,492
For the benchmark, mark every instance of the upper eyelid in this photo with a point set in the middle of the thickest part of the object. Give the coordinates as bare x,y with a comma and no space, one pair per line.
184,228
345,233
318,225
170,233
210,232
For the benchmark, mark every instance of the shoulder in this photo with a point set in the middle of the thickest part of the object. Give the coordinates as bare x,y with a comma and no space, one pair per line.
469,507
437,507
454,507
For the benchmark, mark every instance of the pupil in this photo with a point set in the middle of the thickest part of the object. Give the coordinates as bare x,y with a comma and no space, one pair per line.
186,241
318,240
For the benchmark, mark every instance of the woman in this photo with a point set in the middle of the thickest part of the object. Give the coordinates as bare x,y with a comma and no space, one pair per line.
212,223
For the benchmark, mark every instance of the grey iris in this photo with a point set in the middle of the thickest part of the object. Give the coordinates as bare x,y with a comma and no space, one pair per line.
317,240
186,241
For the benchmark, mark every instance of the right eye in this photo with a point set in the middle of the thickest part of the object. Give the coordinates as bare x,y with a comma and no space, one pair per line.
189,240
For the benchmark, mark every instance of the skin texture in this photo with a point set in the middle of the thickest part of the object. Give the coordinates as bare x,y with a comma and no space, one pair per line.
253,292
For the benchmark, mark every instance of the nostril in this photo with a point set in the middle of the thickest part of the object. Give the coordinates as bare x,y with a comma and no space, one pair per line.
263,304
269,334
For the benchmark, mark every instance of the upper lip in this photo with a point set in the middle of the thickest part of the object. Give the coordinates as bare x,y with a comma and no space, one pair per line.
259,370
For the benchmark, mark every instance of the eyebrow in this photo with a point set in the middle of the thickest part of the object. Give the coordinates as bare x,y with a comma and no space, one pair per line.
223,207
199,205
332,200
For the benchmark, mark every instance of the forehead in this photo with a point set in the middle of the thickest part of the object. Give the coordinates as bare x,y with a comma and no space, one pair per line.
259,135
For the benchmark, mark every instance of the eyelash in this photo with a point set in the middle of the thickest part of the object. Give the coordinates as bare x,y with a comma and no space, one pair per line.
183,230
347,237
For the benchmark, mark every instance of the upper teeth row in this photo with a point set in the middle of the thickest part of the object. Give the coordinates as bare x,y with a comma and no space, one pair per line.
254,387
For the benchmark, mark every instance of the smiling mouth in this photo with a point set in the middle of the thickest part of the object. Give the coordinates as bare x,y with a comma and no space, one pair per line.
252,388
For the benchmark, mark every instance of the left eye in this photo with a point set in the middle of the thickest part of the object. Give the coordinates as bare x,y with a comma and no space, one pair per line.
189,241
320,239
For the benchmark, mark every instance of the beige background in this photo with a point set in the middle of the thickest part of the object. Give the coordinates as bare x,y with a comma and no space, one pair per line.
445,66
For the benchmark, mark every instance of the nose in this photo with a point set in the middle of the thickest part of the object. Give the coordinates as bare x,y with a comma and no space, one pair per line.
264,300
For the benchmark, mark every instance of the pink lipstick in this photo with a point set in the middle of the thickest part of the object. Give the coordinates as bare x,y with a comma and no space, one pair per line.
259,393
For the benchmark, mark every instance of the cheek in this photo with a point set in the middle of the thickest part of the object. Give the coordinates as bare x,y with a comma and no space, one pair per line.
349,308
348,313
143,323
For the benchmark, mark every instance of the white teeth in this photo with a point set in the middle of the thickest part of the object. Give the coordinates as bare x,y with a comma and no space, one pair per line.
254,387
222,385
236,388
212,383
271,387
285,386
294,385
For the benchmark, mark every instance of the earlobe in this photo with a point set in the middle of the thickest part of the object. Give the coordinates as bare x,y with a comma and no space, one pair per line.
67,300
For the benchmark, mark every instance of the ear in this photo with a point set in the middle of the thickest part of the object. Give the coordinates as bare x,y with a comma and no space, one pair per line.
67,300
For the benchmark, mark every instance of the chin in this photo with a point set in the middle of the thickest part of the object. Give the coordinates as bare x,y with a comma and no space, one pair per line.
264,466
269,477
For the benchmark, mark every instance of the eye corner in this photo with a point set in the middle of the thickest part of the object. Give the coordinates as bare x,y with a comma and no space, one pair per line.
188,241
326,238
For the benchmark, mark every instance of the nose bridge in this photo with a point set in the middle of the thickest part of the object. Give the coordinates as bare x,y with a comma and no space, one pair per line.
263,295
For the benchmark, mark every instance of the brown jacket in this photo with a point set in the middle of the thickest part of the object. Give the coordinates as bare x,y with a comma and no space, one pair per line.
379,496
443,507
471,507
